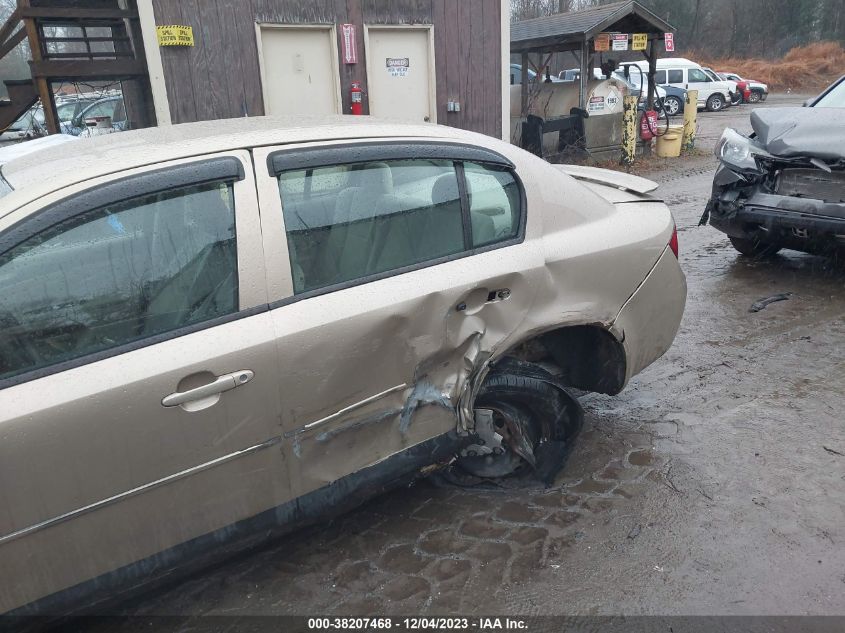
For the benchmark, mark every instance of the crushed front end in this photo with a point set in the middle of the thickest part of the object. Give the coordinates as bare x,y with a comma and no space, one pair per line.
791,201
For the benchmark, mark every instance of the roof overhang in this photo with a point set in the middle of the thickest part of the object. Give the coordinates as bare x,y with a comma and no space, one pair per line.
568,31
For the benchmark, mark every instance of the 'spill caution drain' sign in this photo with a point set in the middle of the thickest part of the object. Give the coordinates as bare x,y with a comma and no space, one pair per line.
175,35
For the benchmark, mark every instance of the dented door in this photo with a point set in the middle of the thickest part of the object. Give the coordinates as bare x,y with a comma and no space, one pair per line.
137,402
395,278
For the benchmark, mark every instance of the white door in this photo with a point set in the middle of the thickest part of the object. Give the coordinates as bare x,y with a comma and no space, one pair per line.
299,71
698,80
400,73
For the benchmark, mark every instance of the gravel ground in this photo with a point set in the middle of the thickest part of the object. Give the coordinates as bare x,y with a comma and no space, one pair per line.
712,485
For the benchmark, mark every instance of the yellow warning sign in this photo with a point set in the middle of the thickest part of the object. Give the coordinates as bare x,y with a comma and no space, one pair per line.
175,35
639,41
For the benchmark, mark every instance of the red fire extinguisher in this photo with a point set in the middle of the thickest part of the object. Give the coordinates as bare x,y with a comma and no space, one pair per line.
648,125
357,101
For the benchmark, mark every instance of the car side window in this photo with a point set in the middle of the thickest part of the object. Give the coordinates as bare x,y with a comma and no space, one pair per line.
494,203
675,76
660,77
384,216
118,274
697,75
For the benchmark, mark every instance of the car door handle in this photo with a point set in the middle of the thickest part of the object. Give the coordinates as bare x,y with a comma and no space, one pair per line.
481,297
221,384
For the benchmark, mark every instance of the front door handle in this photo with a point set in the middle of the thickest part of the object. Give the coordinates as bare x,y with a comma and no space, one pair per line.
221,384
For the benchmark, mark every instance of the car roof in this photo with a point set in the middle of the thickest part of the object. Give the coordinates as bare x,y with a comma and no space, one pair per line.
18,150
667,61
107,154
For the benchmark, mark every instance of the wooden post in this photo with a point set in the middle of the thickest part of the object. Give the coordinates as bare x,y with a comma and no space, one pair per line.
690,112
42,85
652,71
585,69
629,131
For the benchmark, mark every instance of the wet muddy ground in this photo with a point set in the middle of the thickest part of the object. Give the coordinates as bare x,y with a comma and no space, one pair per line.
714,484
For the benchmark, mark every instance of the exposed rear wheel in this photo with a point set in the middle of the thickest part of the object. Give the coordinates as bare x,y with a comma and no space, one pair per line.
754,97
525,424
754,247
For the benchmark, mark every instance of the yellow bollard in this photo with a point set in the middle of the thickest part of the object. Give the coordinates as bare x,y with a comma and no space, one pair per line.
690,111
629,132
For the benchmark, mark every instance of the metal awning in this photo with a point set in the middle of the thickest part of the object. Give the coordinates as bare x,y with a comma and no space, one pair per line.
568,31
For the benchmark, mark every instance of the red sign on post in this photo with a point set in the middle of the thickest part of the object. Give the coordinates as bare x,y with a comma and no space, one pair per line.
350,47
669,42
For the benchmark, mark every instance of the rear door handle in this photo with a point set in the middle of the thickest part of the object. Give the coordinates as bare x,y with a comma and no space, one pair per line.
221,384
480,297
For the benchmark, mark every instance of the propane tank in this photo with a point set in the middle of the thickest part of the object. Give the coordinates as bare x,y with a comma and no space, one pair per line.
357,98
648,125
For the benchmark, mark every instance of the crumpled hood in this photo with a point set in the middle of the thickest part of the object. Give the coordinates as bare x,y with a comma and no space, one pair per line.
793,132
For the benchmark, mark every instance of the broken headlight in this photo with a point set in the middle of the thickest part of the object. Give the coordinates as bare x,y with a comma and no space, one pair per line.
739,151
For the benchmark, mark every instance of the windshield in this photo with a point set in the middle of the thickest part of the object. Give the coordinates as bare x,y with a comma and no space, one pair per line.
833,99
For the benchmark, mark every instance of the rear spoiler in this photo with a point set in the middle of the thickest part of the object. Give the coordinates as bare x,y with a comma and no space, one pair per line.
609,178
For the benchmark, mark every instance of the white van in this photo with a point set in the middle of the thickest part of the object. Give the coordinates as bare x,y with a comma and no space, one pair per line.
686,74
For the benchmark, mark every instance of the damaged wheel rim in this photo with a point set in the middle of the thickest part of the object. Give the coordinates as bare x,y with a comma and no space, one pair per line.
504,445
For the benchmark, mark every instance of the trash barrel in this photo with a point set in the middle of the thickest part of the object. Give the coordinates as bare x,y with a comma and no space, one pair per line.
669,145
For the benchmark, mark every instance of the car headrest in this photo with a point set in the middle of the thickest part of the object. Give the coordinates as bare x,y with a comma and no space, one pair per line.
376,178
445,189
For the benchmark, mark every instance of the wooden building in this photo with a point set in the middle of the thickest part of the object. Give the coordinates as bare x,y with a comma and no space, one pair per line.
440,60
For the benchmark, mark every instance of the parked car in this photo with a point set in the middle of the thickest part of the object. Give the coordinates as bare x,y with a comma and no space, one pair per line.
735,94
32,125
87,121
70,107
784,186
172,389
670,100
26,126
758,90
683,73
743,89
516,75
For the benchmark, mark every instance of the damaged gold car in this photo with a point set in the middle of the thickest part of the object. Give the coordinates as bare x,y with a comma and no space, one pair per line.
216,332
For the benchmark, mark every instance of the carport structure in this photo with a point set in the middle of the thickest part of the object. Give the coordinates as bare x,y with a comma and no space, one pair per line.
537,39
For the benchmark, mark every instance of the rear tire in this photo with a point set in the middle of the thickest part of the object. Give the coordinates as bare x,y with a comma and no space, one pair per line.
523,396
754,97
715,102
751,247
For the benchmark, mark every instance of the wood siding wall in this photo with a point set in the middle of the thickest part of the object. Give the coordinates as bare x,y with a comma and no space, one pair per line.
220,78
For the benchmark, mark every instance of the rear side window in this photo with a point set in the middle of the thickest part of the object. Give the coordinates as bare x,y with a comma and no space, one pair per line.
381,216
660,77
118,274
352,221
675,76
493,202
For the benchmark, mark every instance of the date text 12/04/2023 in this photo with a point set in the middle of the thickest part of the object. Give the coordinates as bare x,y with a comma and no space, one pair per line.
417,624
